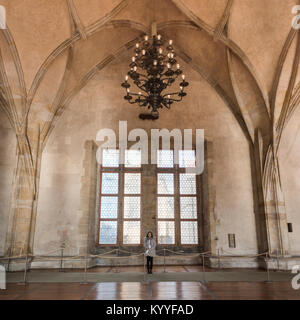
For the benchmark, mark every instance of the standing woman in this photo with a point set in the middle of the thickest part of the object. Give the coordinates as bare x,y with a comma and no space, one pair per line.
149,244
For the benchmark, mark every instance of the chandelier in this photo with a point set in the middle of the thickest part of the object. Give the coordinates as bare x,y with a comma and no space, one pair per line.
153,70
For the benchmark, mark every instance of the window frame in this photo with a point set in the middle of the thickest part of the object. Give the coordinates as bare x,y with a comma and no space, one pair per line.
177,170
121,170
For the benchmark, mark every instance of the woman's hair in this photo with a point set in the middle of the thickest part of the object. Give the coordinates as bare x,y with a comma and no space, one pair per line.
148,233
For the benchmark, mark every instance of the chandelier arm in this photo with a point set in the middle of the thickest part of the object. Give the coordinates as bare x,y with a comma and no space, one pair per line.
175,100
171,94
140,87
136,94
168,106
141,104
142,75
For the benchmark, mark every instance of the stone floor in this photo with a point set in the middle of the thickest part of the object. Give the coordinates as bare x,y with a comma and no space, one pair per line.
249,288
151,291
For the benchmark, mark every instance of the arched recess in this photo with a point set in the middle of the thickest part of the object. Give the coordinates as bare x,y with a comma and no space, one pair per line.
111,106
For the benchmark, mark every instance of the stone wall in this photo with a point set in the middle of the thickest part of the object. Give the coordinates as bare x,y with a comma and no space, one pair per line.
100,105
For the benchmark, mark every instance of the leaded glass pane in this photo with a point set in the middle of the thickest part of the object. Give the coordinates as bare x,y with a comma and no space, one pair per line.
109,208
187,159
189,232
110,158
133,158
188,208
131,232
166,232
132,183
187,183
165,207
132,207
110,183
165,183
108,232
165,159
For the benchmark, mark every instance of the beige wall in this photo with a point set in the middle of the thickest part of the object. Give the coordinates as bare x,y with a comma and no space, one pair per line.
290,173
7,165
101,105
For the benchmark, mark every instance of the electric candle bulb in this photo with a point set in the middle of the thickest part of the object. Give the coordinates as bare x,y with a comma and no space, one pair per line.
172,55
146,38
140,93
183,77
128,90
144,52
169,96
170,42
168,65
126,78
181,88
169,55
133,59
159,37
178,66
160,50
137,45
135,68
155,62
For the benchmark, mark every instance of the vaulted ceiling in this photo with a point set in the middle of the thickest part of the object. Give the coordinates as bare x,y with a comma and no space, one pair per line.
246,50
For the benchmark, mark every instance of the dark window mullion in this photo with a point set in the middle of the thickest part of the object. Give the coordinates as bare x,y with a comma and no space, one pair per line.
121,205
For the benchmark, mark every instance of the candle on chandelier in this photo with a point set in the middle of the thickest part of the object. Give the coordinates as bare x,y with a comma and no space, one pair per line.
160,50
170,42
126,78
146,38
143,52
169,96
134,68
137,45
183,77
178,66
133,59
155,63
159,37
169,65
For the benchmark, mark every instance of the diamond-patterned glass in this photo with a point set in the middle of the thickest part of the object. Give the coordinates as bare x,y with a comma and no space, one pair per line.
187,159
131,232
165,159
110,158
132,183
110,183
189,232
165,183
187,183
188,207
109,208
133,158
165,208
108,232
132,207
166,232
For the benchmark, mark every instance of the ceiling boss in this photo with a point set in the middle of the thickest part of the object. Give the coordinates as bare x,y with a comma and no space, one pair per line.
153,70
